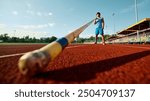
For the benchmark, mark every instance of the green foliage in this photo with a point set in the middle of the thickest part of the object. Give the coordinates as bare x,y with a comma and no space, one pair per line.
4,37
26,39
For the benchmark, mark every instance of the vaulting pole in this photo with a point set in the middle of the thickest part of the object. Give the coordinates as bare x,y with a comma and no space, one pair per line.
33,62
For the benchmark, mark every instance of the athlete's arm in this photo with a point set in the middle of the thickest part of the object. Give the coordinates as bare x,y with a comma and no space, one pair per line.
95,21
103,23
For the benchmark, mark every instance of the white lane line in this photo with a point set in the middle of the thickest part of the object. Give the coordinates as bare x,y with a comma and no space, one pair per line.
11,55
136,47
18,54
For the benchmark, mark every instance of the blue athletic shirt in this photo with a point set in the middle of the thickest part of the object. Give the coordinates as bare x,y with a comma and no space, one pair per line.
99,23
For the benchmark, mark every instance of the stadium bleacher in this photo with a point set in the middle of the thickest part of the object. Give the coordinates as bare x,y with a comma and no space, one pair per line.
136,33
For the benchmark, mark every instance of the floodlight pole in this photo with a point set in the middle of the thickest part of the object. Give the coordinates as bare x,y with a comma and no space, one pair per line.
14,33
136,15
136,11
114,21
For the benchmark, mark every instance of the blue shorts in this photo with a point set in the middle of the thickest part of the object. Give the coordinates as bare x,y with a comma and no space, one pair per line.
99,31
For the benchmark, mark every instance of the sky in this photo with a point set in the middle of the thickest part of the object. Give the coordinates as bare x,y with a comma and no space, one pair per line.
45,18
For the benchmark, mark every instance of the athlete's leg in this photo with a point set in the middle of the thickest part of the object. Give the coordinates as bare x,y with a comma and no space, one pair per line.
103,39
96,35
96,38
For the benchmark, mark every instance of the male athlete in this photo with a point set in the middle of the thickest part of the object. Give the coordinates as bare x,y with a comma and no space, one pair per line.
99,22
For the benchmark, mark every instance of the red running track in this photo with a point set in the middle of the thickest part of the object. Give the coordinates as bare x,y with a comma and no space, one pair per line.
129,64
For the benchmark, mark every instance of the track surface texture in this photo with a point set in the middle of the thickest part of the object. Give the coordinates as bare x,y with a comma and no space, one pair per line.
83,64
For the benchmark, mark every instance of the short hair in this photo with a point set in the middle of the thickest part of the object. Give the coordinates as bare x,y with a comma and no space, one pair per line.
98,13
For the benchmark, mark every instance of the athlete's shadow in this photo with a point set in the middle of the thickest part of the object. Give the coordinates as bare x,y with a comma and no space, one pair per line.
88,71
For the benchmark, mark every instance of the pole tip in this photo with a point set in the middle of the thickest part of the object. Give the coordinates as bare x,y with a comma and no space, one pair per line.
32,63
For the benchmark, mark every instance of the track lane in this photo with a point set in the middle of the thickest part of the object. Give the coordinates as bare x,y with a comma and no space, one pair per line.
87,64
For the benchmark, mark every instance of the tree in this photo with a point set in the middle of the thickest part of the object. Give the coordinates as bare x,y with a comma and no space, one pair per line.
53,38
4,37
26,39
